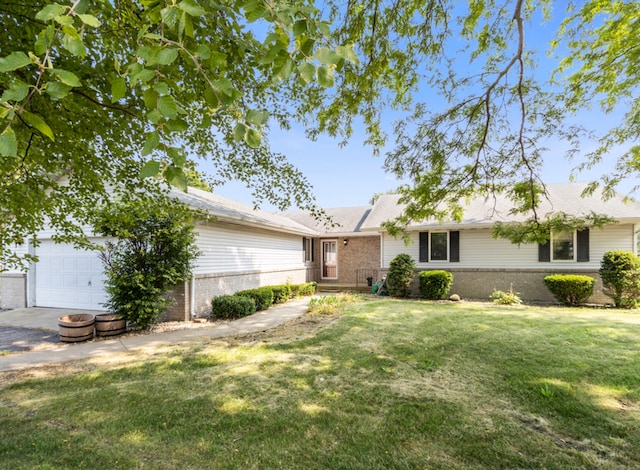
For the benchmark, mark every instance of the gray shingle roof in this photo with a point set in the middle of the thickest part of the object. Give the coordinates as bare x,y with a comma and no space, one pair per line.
484,212
346,219
228,210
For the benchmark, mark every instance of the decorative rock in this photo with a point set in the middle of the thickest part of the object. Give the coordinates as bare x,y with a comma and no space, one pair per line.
454,298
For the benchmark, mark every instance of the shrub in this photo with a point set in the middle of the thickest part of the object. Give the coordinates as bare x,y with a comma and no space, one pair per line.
232,306
506,298
570,289
262,296
281,293
154,250
402,271
435,285
303,290
620,274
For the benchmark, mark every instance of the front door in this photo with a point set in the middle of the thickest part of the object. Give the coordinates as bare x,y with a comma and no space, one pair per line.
330,259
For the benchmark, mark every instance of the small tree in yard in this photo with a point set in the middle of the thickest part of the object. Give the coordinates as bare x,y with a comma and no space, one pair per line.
620,274
402,271
153,251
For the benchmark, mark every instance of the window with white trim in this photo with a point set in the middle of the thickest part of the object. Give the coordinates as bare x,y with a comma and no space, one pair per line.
439,246
562,246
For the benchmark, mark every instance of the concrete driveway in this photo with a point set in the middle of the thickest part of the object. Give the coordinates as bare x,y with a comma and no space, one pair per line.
27,329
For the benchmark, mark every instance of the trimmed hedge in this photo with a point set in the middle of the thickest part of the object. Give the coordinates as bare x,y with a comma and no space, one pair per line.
281,293
303,290
262,296
435,285
570,289
232,306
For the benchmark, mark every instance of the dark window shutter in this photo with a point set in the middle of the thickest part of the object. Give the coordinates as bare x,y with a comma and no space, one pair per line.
304,248
583,245
424,247
313,249
544,252
454,246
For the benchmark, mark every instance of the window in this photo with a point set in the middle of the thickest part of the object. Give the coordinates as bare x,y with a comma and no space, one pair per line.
439,246
307,249
566,246
562,246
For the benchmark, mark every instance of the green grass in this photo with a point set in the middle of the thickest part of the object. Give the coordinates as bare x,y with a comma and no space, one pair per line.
389,384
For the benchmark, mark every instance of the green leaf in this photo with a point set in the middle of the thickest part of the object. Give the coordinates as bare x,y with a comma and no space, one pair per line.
253,138
14,61
16,92
347,52
325,77
8,143
169,16
257,118
285,70
307,72
90,20
203,51
143,76
74,45
152,142
177,155
37,122
191,8
239,131
299,28
166,56
57,90
118,89
167,106
68,78
51,11
150,169
176,177
327,56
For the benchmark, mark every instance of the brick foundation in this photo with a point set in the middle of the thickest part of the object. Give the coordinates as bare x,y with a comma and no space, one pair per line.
479,284
13,290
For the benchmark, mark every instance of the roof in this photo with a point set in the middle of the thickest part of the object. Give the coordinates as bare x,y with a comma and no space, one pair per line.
228,210
347,220
484,212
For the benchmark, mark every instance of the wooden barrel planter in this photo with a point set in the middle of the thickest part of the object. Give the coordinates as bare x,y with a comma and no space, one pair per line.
76,328
110,324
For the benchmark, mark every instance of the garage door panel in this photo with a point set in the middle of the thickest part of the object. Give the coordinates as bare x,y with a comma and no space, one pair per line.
68,278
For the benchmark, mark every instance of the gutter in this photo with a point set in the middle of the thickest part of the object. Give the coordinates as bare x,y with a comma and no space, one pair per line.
192,306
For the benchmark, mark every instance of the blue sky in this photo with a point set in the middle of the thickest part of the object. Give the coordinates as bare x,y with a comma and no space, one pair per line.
351,175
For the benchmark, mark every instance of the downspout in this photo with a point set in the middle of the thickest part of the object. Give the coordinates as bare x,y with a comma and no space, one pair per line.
193,297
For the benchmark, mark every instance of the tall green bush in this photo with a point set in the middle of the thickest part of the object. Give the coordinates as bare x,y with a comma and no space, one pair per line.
153,249
570,289
281,293
262,296
620,274
232,306
402,271
435,285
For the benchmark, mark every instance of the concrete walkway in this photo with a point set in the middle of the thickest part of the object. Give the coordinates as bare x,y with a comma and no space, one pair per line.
63,352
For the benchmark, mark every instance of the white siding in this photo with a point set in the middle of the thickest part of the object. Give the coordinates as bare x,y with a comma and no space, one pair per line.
479,250
19,250
234,248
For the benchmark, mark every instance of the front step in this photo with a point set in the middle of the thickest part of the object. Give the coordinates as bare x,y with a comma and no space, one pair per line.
336,288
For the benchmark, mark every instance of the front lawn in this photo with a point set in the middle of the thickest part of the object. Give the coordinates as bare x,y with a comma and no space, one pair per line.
387,384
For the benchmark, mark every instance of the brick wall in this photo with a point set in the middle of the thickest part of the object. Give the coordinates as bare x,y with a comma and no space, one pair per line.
360,253
13,290
479,284
211,285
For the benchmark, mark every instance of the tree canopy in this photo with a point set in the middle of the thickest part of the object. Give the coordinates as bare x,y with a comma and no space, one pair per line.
103,93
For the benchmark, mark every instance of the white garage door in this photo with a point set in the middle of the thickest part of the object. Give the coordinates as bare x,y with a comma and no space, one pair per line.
68,278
